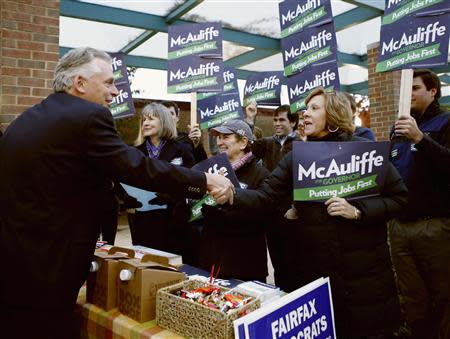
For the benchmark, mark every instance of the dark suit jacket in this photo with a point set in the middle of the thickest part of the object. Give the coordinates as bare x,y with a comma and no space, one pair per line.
57,162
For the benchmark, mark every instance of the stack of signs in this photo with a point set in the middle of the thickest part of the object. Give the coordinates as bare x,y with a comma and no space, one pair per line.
414,34
309,48
305,313
195,58
264,88
214,165
122,105
215,108
323,170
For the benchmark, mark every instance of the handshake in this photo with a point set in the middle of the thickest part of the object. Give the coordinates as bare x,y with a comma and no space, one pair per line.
220,188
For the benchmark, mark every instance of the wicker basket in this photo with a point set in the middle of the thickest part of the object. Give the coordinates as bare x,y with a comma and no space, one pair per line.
194,320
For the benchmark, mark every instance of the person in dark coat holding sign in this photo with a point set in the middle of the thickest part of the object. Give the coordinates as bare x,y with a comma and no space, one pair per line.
345,240
233,241
420,236
58,159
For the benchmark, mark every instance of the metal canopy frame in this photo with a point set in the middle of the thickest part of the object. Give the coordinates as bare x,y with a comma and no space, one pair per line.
263,46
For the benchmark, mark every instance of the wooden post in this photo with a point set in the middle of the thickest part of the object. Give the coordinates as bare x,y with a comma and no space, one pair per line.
193,108
404,103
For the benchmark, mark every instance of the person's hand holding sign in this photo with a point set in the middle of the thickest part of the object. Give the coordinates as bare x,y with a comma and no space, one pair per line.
194,134
407,126
340,207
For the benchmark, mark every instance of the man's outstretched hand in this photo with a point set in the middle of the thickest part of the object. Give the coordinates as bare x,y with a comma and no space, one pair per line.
220,188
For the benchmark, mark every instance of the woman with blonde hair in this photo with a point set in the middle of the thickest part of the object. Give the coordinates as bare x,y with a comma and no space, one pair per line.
345,240
155,228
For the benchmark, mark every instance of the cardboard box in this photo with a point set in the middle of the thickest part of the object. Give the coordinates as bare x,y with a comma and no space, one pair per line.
137,296
102,283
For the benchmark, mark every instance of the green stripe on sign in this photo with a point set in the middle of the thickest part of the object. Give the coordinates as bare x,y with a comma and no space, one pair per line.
119,108
191,50
261,96
407,9
307,59
196,210
220,119
408,57
303,20
300,104
338,190
191,85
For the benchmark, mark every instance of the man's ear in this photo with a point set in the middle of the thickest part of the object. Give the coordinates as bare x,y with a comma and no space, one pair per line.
78,84
433,91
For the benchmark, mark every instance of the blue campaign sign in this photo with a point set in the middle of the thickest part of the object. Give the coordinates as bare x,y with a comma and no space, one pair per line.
322,170
122,105
396,9
309,46
195,74
300,85
264,88
304,313
215,108
195,58
203,40
218,163
296,15
417,41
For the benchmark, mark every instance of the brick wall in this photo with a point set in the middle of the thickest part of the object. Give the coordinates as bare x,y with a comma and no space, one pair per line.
384,89
29,51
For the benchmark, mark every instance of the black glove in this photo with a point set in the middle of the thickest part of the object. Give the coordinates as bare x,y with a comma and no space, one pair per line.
130,202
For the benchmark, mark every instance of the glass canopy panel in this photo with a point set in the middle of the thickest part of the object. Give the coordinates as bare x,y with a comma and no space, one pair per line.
152,84
339,7
352,74
272,63
79,33
161,7
252,16
155,47
231,50
354,40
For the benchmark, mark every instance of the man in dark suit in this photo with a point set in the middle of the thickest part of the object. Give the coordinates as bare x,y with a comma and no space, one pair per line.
58,160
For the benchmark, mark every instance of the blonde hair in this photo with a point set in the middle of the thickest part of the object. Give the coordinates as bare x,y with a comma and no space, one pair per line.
168,129
337,108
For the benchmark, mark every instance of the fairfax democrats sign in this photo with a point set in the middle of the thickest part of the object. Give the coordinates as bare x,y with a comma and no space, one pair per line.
323,170
304,313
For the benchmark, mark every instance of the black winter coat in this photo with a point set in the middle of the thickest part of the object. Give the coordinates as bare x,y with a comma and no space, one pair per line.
236,241
354,254
158,228
58,159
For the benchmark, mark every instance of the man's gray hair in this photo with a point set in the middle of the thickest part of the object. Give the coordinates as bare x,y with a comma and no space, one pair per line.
78,61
